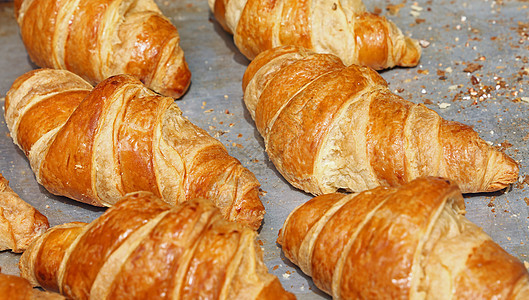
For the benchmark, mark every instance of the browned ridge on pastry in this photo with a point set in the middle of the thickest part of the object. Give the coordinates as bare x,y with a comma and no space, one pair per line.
100,38
328,127
97,144
343,28
20,222
17,288
411,242
142,248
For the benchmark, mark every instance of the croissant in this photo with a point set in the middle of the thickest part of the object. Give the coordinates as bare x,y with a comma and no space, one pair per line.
142,248
100,38
342,28
328,127
95,145
20,222
16,288
411,242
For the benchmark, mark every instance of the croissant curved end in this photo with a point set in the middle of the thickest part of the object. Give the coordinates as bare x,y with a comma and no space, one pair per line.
412,53
506,172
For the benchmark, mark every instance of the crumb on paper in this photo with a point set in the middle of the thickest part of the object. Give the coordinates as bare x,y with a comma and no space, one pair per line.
424,43
209,110
444,105
453,87
286,275
472,67
275,267
525,99
262,192
394,8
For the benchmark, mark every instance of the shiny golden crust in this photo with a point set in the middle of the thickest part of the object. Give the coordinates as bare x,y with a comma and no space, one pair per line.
328,127
101,38
16,288
343,28
120,138
411,242
142,248
20,222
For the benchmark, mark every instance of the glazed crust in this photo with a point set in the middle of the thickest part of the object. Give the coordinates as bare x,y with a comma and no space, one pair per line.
20,222
16,288
343,28
98,39
328,127
97,144
143,248
410,242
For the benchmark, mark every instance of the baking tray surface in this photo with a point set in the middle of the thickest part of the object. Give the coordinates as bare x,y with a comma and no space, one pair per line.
474,69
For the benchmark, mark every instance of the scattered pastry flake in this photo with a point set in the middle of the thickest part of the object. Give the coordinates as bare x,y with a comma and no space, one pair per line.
377,10
423,72
423,43
491,202
427,101
525,99
209,110
260,242
237,145
526,200
286,275
275,267
262,193
472,67
394,8
443,105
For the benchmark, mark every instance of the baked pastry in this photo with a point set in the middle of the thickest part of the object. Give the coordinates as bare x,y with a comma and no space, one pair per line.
16,288
95,145
328,127
411,242
343,28
100,38
20,222
143,248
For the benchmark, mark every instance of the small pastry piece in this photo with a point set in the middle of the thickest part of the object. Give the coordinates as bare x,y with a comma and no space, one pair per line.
20,222
328,127
100,38
17,288
411,242
97,144
142,248
343,28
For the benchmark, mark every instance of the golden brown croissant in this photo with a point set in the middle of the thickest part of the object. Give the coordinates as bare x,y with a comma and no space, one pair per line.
17,288
96,145
343,28
20,222
100,38
328,127
411,242
143,247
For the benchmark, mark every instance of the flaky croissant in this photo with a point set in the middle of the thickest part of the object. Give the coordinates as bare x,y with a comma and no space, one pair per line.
20,222
16,288
343,28
100,38
142,248
328,127
411,242
97,144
